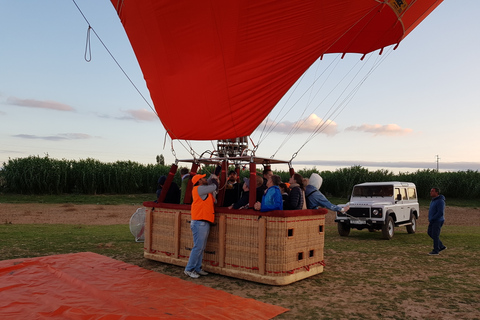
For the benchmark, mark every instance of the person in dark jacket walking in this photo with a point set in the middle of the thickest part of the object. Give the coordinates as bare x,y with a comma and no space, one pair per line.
436,218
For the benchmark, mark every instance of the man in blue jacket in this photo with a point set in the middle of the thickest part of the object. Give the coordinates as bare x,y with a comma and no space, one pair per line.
436,218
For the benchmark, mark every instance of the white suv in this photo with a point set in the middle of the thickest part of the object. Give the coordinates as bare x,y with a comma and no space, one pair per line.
380,206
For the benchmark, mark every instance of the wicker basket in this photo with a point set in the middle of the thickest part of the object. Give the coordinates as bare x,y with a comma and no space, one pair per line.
276,248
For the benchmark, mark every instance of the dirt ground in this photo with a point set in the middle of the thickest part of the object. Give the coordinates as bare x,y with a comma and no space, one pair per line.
38,213
121,214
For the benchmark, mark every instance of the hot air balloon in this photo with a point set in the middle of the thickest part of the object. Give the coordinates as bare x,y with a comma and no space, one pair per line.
230,62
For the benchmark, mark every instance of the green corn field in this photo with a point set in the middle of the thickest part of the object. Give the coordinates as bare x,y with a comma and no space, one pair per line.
44,175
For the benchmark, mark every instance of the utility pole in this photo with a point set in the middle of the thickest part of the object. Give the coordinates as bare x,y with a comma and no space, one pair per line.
438,159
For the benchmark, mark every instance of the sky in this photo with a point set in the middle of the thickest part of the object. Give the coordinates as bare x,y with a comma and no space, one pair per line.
418,109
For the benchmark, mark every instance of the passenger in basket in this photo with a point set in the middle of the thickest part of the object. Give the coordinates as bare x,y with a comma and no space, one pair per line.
296,196
185,175
272,199
316,199
261,188
203,213
284,190
173,193
233,189
242,203
267,173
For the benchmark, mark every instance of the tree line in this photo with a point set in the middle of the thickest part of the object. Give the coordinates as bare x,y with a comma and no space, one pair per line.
44,175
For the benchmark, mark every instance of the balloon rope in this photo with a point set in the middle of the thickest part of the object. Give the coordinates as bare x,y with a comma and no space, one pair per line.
88,46
90,28
111,55
298,125
323,125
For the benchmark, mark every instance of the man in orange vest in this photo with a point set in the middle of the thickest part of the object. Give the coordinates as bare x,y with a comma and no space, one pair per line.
202,211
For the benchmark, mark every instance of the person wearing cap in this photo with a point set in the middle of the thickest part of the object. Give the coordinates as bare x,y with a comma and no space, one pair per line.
272,199
315,198
203,213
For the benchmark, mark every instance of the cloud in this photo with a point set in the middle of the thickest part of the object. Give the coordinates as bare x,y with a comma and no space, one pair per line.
31,103
10,151
137,115
308,125
381,130
58,137
142,115
454,166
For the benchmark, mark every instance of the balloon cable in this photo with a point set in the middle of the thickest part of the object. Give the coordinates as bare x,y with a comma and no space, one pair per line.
88,58
90,28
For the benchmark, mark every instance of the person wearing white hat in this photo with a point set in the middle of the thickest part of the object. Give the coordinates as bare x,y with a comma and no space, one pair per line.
315,198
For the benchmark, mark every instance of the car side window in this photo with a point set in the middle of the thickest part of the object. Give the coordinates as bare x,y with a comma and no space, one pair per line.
412,194
404,194
397,193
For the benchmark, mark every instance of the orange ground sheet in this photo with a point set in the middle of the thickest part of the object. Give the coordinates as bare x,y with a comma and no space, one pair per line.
91,286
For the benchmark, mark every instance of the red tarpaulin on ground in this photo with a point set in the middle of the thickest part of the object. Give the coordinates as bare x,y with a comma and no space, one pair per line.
91,286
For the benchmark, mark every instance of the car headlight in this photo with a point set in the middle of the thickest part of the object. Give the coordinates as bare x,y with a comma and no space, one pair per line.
377,213
341,214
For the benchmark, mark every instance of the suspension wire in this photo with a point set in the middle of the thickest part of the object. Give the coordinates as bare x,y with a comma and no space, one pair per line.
341,106
115,60
346,31
267,128
354,91
324,124
88,58
298,125
321,127
275,123
330,113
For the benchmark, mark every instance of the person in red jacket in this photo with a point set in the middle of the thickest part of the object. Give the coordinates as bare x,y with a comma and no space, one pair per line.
202,212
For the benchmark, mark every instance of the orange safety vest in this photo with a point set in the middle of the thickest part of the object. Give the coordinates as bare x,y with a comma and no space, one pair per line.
202,209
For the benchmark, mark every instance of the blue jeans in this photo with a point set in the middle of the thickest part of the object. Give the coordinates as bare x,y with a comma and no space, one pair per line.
433,231
200,231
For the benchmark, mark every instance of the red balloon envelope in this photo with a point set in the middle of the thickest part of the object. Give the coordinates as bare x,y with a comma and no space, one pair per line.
215,69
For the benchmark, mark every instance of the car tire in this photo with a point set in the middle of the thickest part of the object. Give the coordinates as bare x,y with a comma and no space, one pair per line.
343,229
388,228
413,227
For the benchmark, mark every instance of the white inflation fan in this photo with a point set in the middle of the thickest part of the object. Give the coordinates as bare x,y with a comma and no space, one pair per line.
137,225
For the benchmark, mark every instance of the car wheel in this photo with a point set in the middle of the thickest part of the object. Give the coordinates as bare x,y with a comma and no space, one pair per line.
388,228
343,229
413,227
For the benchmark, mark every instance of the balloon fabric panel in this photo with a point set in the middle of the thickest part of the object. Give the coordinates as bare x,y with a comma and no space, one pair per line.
216,69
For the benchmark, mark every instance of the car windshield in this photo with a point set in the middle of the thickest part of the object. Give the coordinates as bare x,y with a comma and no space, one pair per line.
373,191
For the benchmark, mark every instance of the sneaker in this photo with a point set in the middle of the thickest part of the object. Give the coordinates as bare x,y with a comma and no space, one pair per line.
433,253
203,273
443,248
192,274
